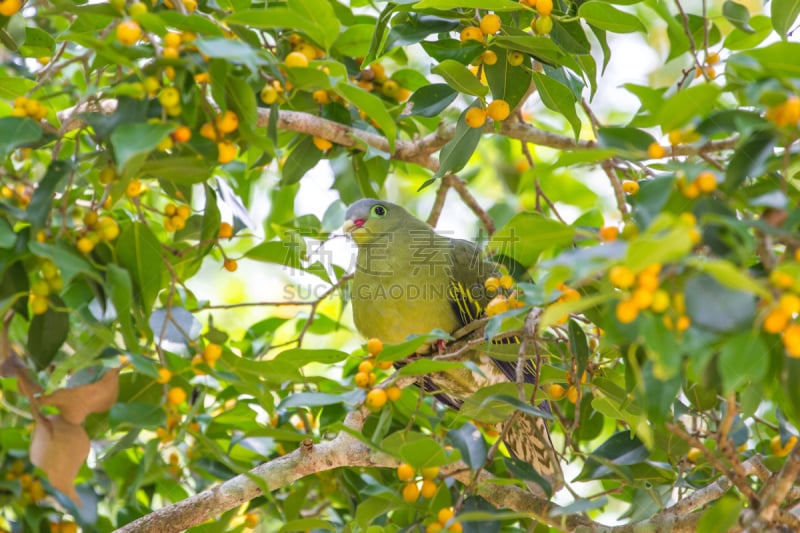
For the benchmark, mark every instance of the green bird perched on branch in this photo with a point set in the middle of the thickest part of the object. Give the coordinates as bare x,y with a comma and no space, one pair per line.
411,280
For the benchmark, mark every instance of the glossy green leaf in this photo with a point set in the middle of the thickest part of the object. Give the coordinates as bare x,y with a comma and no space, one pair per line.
738,15
48,332
687,104
431,100
507,82
67,259
460,78
722,515
716,307
469,441
628,139
742,40
526,235
619,449
456,153
319,399
744,358
278,252
122,298
181,170
139,253
494,5
133,142
784,15
777,59
320,13
42,200
373,106
303,158
16,132
557,96
606,17
300,357
355,40
749,159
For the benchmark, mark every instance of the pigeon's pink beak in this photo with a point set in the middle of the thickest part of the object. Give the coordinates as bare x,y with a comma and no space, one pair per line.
352,225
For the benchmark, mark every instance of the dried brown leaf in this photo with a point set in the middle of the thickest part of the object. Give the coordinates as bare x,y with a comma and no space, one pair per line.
77,403
59,448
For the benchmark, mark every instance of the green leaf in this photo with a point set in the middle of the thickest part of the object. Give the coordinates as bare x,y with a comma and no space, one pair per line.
48,332
139,252
509,83
236,52
41,204
722,515
278,252
494,5
300,357
557,96
527,235
133,142
460,78
16,132
453,49
606,17
318,399
303,158
713,306
68,261
319,13
541,48
373,106
620,449
784,15
750,158
744,358
421,367
38,43
431,100
687,104
729,275
738,15
469,441
658,247
181,170
741,40
355,40
776,59
456,153
628,139
122,297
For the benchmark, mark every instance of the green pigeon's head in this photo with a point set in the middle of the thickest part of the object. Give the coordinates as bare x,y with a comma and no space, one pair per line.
368,219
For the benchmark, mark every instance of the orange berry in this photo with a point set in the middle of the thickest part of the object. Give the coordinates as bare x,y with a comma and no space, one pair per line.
321,96
621,277
227,122
497,305
182,134
444,515
134,188
322,144
376,398
489,57
296,59
775,321
176,396
706,181
609,233
556,391
405,472
544,7
660,301
208,131
128,32
374,346
475,117
164,375
630,187
490,24
212,352
642,298
498,110
365,366
428,488
790,303
712,58
627,311
791,340
226,151
410,492
230,265
506,281
361,379
434,527
572,391
656,151
225,231
471,33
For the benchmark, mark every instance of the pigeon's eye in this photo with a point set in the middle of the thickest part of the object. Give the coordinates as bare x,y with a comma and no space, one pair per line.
379,211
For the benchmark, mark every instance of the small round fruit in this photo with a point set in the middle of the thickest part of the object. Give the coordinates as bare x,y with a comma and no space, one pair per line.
374,346
444,515
85,245
169,97
410,492
365,366
296,59
706,181
542,25
630,187
182,134
556,391
489,57
390,88
322,144
430,472
609,233
626,311
376,398
225,231
544,7
269,94
320,96
107,229
475,117
226,151
498,110
428,488
128,32
137,9
394,393
506,281
694,454
490,24
361,379
515,58
230,265
405,472
10,7
176,396
227,122
656,151
572,394
164,375
39,304
471,33
172,40
621,277
212,352
492,284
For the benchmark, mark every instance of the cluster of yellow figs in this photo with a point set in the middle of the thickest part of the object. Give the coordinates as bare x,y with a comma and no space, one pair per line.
223,124
97,229
787,113
49,281
643,292
781,314
365,377
445,522
707,68
32,488
28,107
20,193
175,217
556,391
414,488
504,301
704,183
211,354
